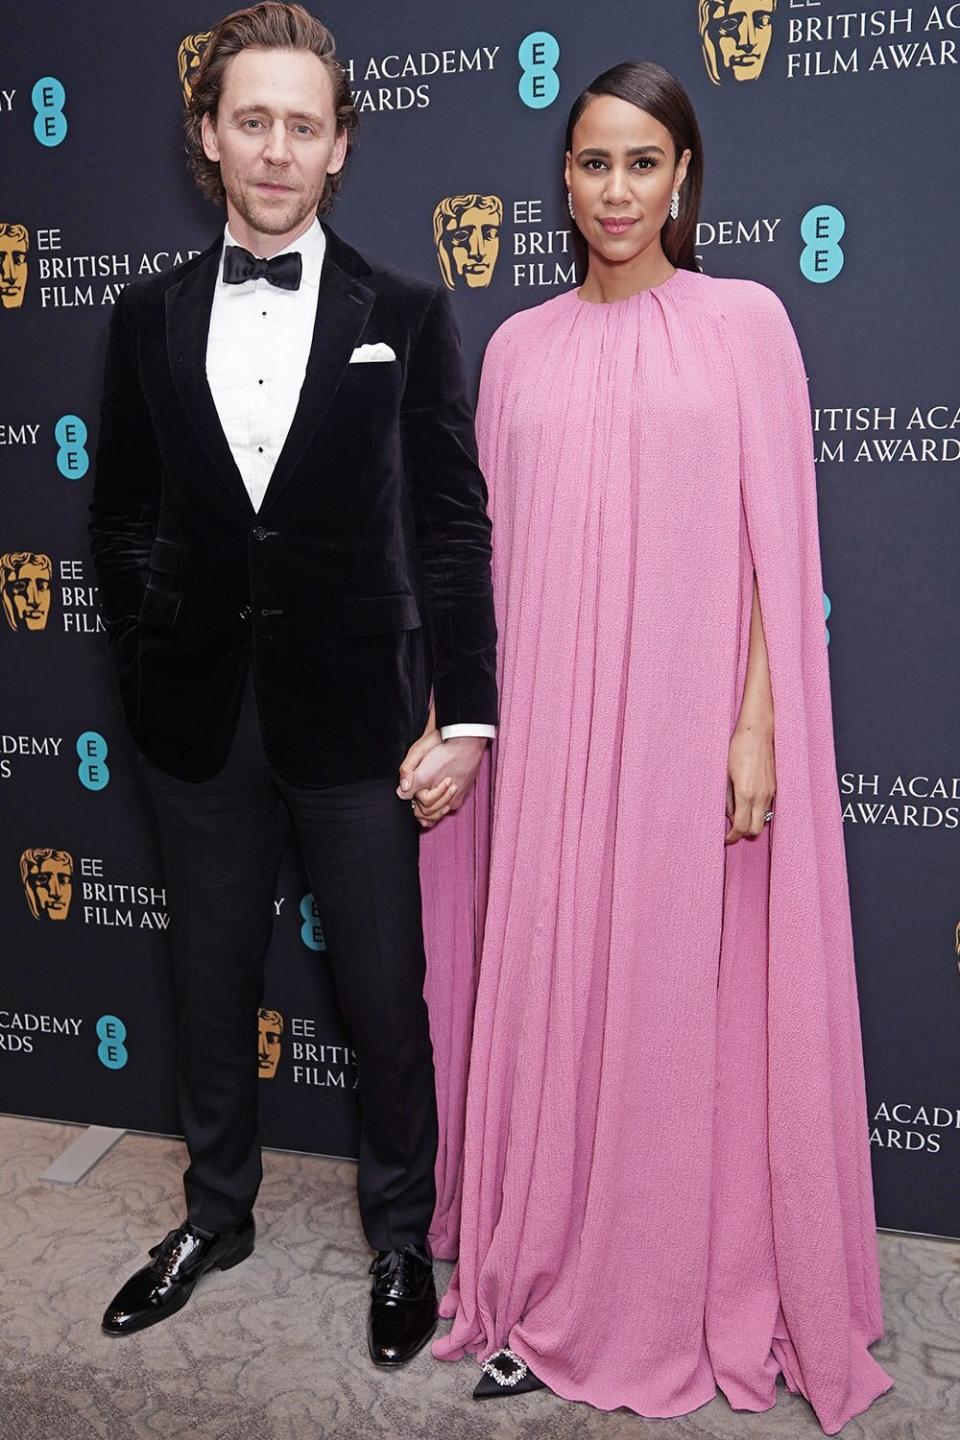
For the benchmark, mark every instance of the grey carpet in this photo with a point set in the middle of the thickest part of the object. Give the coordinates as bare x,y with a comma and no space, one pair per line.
275,1348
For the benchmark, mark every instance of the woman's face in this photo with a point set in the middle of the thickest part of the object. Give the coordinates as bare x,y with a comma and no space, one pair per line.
621,174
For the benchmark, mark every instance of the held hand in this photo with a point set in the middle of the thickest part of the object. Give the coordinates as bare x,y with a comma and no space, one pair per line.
442,779
431,737
752,782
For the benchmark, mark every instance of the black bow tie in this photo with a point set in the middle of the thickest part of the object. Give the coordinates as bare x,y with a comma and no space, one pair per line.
284,271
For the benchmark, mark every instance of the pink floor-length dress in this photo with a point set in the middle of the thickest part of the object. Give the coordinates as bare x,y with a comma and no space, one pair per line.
663,1178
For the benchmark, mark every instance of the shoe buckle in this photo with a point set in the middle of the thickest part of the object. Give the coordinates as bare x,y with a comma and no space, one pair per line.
502,1377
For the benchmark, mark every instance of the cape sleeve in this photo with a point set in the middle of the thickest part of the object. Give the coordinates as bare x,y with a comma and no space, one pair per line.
822,1194
454,860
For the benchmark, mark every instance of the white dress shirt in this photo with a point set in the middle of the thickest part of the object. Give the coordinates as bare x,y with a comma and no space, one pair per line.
258,346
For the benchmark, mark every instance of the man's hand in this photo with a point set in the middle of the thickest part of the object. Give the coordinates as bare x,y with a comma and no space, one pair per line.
438,774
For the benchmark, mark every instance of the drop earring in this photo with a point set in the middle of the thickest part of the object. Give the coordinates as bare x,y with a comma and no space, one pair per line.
570,204
674,204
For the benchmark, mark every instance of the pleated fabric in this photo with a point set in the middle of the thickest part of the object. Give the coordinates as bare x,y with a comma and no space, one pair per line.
663,1178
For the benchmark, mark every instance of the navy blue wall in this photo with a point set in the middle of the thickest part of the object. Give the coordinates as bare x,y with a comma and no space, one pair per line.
834,125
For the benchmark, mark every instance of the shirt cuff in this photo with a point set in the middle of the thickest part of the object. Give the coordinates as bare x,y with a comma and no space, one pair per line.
450,732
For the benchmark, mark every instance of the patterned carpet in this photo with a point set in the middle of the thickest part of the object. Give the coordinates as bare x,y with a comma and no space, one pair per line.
275,1349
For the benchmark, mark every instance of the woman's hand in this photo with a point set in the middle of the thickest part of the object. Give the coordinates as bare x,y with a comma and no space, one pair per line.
752,776
752,780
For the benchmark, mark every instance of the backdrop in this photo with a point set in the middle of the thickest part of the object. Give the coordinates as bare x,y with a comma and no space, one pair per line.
828,133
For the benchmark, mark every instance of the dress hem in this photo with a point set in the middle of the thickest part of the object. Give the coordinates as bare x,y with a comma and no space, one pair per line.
560,1386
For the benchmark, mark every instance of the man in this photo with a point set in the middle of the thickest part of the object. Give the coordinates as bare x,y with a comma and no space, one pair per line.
292,546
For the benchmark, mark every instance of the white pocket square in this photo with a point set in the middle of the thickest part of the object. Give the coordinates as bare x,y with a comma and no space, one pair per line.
364,353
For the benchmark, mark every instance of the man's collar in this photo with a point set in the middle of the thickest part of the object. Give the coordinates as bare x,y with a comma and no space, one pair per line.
311,246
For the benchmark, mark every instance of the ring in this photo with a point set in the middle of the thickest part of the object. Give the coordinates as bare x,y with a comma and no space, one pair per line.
768,817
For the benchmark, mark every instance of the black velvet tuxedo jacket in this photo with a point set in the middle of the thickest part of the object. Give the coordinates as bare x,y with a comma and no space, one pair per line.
362,581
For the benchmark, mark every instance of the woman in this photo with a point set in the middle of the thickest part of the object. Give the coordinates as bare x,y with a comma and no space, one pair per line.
666,1183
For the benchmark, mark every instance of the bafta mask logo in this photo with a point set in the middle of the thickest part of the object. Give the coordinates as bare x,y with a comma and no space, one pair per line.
14,244
466,232
189,56
26,578
735,35
270,1024
47,877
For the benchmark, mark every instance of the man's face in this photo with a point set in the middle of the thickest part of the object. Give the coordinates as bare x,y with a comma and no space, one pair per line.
276,141
742,35
13,271
52,886
270,1023
474,245
26,596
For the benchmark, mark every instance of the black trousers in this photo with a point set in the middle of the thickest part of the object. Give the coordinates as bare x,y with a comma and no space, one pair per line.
221,842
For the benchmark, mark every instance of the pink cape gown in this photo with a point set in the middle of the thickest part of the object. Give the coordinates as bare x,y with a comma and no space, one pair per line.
663,1178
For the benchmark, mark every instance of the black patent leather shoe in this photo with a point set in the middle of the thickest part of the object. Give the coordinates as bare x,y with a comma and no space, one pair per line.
166,1284
403,1307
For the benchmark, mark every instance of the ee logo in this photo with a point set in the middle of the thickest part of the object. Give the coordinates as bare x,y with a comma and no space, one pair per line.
827,607
539,83
93,769
48,98
821,230
311,931
111,1051
70,434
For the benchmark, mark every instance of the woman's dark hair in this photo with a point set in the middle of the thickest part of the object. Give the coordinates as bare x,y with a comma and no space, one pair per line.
660,94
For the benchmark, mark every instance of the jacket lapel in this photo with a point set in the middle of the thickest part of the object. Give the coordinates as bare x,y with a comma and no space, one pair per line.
343,305
188,306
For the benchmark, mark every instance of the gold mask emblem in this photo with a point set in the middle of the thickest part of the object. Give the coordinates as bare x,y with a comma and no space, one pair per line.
189,56
14,246
26,578
466,232
47,877
735,36
270,1023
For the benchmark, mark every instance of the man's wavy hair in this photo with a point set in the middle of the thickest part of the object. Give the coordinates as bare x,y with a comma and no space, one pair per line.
270,25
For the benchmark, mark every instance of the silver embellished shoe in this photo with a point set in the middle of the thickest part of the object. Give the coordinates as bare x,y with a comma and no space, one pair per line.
505,1373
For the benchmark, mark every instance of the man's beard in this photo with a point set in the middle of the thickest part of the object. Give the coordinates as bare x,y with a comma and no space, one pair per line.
275,219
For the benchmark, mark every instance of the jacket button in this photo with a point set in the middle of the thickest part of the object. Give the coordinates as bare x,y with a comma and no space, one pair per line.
246,612
259,533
